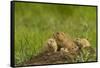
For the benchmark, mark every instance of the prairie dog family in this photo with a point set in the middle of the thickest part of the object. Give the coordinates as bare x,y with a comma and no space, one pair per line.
64,41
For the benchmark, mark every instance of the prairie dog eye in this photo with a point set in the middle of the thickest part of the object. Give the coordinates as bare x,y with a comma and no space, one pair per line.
78,39
72,48
57,32
52,41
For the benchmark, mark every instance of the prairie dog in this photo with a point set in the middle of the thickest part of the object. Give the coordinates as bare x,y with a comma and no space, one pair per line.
64,51
51,45
64,41
70,57
82,42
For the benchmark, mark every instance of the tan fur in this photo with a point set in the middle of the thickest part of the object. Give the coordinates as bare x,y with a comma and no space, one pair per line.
64,50
70,57
64,41
51,45
82,42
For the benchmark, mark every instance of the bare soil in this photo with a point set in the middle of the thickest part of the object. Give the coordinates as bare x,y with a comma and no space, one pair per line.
50,58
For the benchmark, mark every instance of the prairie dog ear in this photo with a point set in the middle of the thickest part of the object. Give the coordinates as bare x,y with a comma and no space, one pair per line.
87,38
63,34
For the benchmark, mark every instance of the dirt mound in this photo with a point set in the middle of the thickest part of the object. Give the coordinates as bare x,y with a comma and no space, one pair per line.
57,58
48,58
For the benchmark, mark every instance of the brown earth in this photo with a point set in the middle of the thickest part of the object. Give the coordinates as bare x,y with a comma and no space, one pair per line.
50,58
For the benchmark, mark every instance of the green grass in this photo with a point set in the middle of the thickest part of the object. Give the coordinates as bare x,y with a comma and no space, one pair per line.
35,23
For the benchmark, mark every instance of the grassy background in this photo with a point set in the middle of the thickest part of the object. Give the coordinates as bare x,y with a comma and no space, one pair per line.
35,23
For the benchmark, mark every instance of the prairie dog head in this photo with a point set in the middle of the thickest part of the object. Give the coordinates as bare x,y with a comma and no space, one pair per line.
52,44
60,36
82,42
